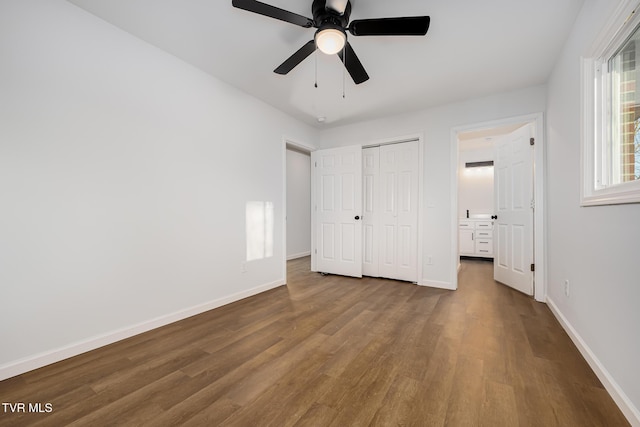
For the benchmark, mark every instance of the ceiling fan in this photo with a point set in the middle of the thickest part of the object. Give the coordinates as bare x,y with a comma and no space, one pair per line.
331,18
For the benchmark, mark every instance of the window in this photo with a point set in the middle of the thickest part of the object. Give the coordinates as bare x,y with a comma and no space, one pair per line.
625,111
611,113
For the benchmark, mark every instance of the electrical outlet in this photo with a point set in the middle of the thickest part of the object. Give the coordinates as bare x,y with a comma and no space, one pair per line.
429,260
244,267
566,288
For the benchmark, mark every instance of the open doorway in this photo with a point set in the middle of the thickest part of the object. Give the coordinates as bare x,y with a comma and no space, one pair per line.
480,188
476,157
297,201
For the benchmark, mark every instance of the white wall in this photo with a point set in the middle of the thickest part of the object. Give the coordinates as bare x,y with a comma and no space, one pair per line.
436,125
475,185
124,174
595,248
298,204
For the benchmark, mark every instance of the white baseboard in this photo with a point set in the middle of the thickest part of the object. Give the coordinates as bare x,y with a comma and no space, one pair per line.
622,400
436,284
300,255
43,359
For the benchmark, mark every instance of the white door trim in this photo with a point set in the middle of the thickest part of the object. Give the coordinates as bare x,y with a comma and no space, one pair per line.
537,120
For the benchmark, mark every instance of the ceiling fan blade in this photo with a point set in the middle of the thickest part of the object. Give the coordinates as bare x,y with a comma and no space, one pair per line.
273,12
353,64
408,26
296,58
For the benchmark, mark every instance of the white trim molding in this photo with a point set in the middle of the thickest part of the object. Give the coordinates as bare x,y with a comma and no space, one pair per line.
617,394
439,285
43,359
298,255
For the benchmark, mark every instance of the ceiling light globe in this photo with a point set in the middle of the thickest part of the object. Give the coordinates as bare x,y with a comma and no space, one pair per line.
330,40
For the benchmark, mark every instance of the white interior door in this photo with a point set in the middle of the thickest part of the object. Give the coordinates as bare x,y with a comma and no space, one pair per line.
371,208
399,170
337,210
513,198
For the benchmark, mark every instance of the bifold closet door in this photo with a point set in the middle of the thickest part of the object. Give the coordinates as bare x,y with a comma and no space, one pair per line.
398,237
337,210
370,211
365,211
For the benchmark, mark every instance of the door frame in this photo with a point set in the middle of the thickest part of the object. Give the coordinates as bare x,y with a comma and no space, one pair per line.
419,137
300,146
539,240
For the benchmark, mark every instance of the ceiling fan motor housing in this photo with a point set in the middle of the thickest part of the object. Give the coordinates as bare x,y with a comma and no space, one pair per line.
324,17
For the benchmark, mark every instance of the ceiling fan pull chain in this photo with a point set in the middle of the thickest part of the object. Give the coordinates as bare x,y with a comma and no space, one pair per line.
344,69
316,58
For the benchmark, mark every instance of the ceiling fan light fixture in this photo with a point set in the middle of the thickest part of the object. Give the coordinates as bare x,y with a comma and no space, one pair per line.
330,40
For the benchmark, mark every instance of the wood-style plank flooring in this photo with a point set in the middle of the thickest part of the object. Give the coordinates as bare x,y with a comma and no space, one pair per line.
334,351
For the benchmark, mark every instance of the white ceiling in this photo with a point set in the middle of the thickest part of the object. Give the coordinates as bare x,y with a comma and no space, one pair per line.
481,138
473,48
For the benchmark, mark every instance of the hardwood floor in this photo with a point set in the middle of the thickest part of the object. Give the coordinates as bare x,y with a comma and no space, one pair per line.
334,351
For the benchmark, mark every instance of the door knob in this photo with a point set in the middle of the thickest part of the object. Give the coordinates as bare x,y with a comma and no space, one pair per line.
494,216
357,217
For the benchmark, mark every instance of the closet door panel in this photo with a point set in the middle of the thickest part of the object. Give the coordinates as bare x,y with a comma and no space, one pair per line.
402,162
370,213
389,212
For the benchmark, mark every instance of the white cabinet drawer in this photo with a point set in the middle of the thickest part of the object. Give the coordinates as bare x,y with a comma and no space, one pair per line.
484,234
484,247
484,225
